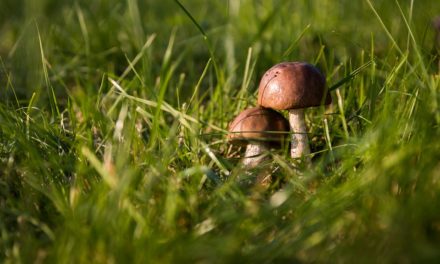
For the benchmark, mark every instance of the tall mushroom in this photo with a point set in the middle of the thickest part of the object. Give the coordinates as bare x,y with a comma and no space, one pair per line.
259,129
294,86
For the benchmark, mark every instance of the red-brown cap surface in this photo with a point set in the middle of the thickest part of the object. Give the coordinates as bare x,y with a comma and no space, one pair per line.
436,23
293,85
256,124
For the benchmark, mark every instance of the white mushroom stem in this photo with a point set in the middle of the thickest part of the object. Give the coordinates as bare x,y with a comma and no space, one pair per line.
254,154
300,142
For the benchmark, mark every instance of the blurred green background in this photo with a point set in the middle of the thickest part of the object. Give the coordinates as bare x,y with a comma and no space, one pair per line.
97,36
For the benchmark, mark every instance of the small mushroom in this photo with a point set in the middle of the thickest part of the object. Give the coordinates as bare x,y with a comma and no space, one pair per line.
259,129
294,86
436,25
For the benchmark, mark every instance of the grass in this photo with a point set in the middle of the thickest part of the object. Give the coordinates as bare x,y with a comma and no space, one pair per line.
113,120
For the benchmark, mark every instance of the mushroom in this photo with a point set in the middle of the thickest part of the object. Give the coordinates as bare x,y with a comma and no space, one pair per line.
260,129
294,86
436,25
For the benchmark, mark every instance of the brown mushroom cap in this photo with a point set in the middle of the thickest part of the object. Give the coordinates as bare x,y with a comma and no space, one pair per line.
436,23
256,124
293,85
